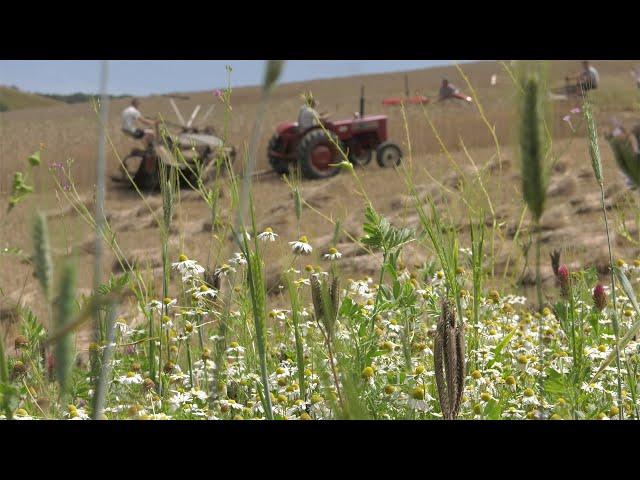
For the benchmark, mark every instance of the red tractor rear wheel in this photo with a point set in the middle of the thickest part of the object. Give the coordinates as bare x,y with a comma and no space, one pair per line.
317,151
147,176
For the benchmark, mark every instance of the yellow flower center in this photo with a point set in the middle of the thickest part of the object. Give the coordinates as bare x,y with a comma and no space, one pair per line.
183,258
418,393
367,372
303,239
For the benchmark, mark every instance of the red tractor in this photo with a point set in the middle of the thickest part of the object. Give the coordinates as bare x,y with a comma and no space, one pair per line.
314,150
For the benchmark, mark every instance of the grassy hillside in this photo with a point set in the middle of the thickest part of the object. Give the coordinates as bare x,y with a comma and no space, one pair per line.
11,99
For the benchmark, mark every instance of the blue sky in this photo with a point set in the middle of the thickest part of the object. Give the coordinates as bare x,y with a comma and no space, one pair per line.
143,77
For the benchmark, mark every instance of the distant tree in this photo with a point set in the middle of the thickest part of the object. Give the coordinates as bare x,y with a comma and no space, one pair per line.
3,107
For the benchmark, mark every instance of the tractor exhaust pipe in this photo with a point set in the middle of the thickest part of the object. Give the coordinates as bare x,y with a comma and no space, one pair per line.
362,101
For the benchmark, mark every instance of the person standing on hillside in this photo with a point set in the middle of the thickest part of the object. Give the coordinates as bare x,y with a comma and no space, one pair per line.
131,117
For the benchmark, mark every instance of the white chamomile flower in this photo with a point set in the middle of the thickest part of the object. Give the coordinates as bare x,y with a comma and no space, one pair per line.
359,287
332,254
225,269
235,350
301,247
419,399
188,268
204,292
278,314
268,235
238,259
75,413
130,379
199,394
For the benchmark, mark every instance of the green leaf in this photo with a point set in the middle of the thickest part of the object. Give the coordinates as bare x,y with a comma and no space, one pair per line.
554,383
499,347
34,159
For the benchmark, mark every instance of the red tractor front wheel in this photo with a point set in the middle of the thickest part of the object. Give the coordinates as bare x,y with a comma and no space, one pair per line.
388,155
317,151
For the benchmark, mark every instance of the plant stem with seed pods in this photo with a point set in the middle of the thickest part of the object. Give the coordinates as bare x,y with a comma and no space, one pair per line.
100,194
594,151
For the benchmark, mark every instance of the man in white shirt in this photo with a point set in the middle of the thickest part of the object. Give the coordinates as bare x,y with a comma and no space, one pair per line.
131,117
307,116
589,79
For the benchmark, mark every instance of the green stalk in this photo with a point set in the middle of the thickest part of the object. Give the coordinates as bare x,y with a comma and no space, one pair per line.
256,289
594,151
4,382
105,370
100,196
295,317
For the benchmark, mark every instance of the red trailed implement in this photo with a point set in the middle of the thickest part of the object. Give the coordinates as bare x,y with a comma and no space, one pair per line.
416,100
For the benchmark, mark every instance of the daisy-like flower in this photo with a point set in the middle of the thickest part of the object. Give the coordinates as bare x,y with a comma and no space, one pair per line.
204,292
359,287
332,254
234,350
278,314
130,379
419,399
238,259
179,398
199,394
75,413
301,247
268,235
159,306
225,269
188,268
21,414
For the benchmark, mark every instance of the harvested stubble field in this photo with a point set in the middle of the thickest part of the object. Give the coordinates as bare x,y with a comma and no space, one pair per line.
70,132
470,170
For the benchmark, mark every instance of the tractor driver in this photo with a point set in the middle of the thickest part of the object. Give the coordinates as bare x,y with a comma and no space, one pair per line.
588,79
447,90
308,116
131,116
